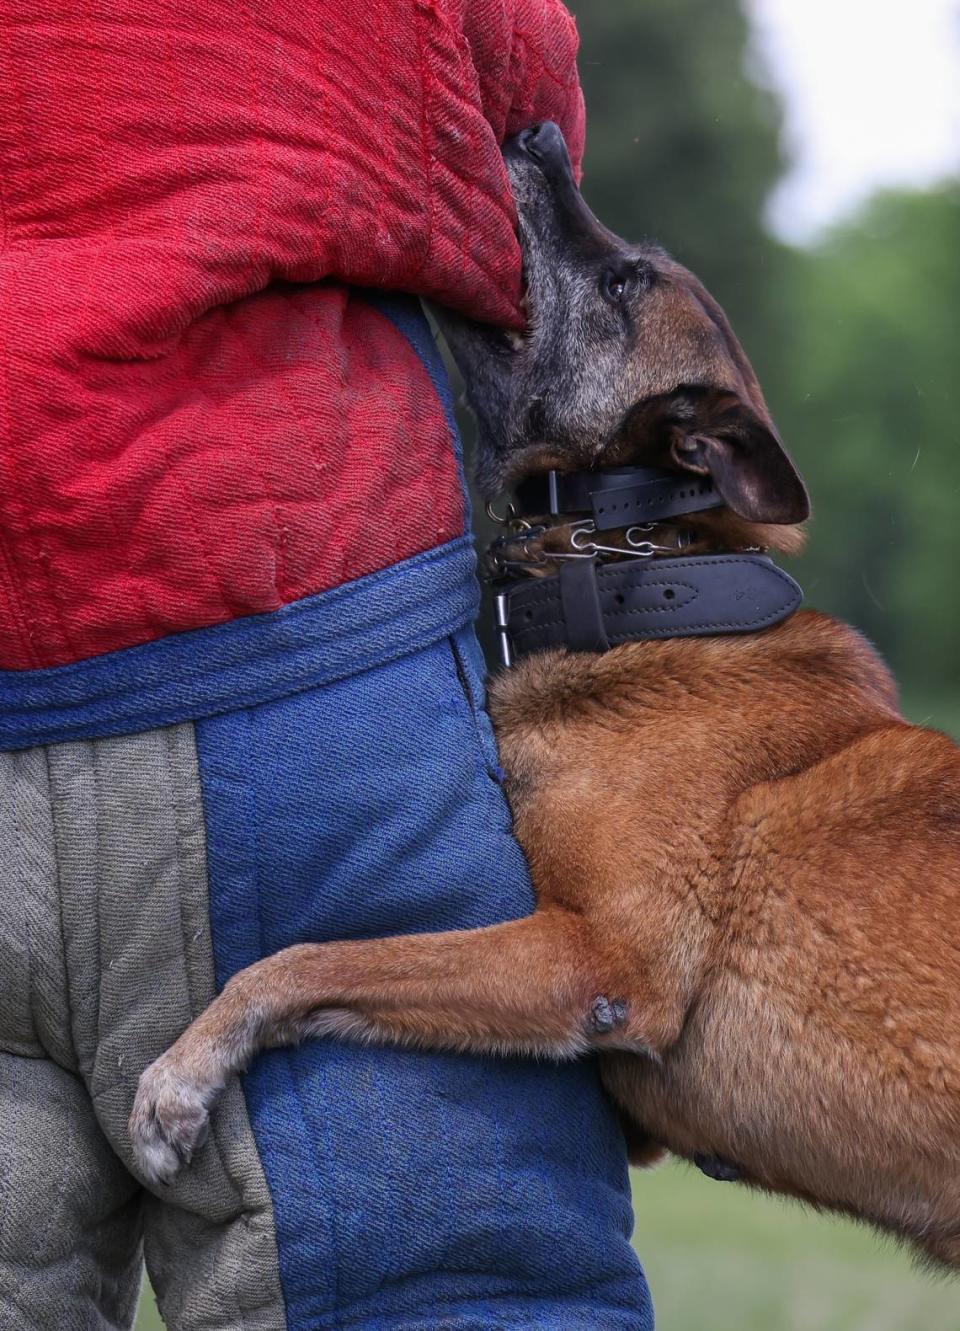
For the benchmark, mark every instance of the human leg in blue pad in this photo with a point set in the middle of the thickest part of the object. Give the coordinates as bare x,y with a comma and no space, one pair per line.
442,1191
409,1190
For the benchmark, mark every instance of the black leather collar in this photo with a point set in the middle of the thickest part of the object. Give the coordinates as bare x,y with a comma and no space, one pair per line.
590,607
617,496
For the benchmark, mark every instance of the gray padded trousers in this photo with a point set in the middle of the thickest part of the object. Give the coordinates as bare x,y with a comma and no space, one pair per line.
105,955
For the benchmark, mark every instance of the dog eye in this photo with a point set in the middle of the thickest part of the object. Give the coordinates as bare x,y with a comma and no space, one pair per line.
614,286
617,284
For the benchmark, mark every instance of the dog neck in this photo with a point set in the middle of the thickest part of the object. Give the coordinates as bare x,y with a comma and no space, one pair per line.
623,555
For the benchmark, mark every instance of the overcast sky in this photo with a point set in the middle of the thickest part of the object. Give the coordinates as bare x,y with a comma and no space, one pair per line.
872,92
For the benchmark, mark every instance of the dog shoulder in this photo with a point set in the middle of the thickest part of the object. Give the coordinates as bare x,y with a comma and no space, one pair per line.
829,651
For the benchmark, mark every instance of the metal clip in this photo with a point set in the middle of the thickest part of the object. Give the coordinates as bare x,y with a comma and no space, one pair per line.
510,519
638,546
639,549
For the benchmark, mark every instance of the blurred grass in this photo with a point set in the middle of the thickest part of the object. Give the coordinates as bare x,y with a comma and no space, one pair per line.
148,1319
720,1258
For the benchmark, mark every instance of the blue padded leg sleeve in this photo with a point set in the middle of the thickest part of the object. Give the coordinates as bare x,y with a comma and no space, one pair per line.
412,1192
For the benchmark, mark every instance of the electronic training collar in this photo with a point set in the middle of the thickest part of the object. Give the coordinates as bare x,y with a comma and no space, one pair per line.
650,590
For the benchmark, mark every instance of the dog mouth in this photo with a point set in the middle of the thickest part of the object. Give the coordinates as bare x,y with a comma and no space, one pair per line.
550,209
511,341
517,338
539,166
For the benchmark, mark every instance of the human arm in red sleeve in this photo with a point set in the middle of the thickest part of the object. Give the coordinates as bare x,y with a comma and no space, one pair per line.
525,52
180,417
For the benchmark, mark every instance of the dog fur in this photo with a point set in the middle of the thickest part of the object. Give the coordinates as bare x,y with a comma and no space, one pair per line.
747,863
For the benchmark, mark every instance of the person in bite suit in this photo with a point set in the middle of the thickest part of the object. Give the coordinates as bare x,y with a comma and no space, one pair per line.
241,700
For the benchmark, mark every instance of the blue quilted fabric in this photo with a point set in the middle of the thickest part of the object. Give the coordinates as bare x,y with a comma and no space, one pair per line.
412,1192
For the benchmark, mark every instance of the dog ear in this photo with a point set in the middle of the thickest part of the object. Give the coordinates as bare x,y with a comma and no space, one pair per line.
746,461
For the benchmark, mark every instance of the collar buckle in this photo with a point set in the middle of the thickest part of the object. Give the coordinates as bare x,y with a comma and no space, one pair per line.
501,610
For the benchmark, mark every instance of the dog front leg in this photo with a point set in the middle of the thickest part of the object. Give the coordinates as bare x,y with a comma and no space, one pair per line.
534,986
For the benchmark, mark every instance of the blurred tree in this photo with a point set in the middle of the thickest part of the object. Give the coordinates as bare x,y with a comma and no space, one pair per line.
865,390
683,145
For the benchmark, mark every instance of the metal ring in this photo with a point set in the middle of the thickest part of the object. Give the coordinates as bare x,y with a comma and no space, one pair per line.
511,514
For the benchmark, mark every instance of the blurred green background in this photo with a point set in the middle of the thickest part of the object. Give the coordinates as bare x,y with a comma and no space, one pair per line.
856,339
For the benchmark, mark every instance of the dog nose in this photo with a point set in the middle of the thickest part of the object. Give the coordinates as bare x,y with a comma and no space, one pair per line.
543,142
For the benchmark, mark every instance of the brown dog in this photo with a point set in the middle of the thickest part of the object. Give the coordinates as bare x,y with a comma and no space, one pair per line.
748,877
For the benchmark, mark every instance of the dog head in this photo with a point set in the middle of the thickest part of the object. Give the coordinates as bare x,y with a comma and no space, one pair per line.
626,358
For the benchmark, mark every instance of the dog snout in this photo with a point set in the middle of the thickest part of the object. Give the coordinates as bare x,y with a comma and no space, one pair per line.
544,145
545,189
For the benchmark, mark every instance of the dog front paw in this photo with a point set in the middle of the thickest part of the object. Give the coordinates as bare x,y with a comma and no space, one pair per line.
170,1120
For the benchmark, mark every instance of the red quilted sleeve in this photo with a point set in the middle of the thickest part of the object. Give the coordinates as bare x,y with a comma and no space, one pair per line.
525,52
199,414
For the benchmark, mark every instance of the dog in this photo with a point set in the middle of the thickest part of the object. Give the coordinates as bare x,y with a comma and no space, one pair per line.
747,863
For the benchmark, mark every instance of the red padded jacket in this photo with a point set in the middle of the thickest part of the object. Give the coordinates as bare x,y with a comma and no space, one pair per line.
200,419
